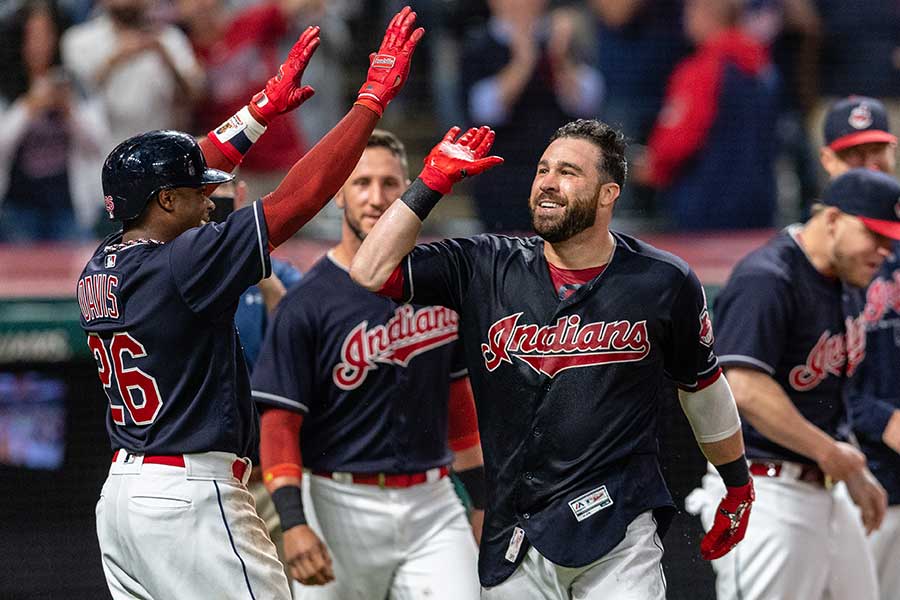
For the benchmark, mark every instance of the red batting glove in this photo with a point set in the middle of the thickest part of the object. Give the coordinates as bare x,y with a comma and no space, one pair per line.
730,523
450,161
283,92
389,67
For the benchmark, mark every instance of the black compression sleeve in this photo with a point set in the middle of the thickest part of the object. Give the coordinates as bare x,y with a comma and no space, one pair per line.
420,198
735,473
473,481
288,501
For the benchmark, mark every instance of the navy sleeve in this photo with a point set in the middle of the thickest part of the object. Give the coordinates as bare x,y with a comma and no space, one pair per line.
753,315
869,415
283,376
439,273
688,354
214,264
458,368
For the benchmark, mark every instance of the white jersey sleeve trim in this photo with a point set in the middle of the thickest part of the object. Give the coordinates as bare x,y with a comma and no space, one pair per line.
459,374
409,273
259,239
267,398
731,359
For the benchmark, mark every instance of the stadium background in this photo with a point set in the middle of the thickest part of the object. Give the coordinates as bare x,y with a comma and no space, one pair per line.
54,452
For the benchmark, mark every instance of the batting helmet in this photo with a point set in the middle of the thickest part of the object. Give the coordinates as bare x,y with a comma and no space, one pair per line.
143,165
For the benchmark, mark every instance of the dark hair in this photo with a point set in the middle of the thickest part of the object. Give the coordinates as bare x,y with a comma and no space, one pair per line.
611,143
385,139
15,82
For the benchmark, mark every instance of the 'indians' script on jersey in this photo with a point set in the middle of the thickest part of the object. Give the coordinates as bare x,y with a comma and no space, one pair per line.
830,355
407,334
565,345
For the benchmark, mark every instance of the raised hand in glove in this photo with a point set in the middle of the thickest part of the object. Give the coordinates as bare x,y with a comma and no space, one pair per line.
284,92
730,524
452,160
389,67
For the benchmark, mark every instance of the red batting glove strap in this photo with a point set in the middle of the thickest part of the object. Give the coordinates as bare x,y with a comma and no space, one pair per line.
730,524
389,67
436,179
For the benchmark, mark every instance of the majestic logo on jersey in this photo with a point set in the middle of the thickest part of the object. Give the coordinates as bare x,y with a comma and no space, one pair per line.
883,295
830,355
565,345
407,334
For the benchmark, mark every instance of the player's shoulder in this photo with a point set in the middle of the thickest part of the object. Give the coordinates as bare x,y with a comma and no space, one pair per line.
664,262
325,278
781,259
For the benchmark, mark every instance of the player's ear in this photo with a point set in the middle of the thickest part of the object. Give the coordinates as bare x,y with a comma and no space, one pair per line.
831,162
339,198
608,194
166,198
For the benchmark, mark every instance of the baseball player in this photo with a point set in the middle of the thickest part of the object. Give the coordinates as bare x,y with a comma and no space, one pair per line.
857,135
571,338
359,380
174,519
788,350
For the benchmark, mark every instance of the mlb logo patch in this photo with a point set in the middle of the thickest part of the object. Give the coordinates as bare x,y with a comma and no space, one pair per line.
110,261
587,504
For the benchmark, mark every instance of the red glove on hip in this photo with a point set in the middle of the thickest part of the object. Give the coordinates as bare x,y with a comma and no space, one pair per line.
389,67
730,523
450,161
284,92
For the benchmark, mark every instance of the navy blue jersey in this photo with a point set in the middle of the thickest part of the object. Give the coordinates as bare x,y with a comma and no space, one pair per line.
779,315
371,377
252,315
567,391
160,323
874,390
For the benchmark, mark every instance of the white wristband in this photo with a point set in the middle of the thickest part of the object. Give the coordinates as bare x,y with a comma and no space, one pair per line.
712,411
242,122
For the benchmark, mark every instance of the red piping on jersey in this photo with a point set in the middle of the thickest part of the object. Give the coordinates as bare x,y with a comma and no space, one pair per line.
706,381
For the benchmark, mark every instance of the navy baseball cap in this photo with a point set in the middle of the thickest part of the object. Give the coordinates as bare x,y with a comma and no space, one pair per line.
856,120
872,196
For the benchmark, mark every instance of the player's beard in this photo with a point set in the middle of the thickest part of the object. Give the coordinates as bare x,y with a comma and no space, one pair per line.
355,226
578,215
853,270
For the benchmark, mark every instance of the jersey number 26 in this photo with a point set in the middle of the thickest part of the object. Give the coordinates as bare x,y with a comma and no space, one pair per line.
108,354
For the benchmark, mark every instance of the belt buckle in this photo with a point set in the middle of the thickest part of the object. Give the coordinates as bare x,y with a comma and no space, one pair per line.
829,482
381,480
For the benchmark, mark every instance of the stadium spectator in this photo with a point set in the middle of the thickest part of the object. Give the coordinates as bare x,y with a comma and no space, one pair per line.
523,74
239,49
53,141
711,153
145,74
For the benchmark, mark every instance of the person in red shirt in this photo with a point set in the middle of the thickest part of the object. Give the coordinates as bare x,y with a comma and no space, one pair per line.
239,51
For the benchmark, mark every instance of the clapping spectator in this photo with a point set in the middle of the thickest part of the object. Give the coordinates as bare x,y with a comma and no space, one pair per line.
712,151
53,140
146,74
239,49
523,74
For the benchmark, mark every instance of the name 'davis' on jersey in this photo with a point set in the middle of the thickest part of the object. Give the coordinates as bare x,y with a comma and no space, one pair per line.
97,296
830,354
565,345
406,335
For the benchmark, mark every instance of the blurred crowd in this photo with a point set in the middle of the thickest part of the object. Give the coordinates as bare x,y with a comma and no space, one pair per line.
722,100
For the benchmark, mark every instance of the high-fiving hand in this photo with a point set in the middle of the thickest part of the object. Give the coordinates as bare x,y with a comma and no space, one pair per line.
454,159
284,92
389,67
